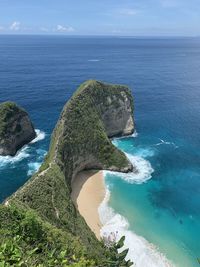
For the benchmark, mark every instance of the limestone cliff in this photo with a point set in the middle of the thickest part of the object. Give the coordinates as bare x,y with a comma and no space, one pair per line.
16,129
95,112
80,141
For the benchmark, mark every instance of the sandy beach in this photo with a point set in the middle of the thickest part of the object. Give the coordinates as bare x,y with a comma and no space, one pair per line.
88,191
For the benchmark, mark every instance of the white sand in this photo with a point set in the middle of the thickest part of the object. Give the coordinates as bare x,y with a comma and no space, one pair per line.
88,192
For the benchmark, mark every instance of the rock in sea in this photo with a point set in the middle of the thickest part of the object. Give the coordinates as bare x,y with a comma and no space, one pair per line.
16,128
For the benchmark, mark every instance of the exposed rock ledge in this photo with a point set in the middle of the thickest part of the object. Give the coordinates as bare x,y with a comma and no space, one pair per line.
16,129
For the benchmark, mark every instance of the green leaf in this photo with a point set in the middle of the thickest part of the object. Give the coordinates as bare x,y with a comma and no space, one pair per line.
120,243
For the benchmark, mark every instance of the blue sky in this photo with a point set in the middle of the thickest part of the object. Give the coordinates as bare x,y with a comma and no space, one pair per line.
101,17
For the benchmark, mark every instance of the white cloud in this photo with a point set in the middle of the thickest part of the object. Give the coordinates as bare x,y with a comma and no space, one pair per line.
128,11
15,26
1,28
61,28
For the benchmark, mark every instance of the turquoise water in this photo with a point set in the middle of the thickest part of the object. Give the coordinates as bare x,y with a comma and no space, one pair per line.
161,202
152,201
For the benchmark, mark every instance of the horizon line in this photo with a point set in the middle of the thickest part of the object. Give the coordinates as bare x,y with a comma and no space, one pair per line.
100,35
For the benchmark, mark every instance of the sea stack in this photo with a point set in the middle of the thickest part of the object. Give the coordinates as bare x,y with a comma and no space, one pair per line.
16,128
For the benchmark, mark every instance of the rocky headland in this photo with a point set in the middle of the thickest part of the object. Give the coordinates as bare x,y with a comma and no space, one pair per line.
80,141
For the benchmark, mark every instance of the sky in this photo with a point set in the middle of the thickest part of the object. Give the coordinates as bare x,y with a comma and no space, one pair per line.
101,17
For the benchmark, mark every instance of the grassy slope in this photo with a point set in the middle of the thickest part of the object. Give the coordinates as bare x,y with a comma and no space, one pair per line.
27,240
79,133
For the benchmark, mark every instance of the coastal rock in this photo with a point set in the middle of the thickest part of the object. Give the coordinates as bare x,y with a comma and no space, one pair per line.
96,112
16,129
117,113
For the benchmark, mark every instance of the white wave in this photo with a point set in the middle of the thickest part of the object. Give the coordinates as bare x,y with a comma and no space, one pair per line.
41,153
142,173
115,141
21,154
141,252
93,60
40,135
33,167
162,142
135,134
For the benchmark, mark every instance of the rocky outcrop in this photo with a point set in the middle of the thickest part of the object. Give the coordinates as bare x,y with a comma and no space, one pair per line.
16,129
117,112
96,112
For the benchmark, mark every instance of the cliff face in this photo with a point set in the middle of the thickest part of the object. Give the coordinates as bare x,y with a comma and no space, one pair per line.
80,141
16,129
116,112
95,112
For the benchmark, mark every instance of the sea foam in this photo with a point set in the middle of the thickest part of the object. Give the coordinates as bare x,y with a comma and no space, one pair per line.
141,252
135,134
21,154
40,135
143,170
33,167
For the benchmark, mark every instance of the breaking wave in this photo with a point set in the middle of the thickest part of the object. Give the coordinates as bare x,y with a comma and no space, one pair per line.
40,135
34,166
143,171
135,134
24,152
141,252
21,154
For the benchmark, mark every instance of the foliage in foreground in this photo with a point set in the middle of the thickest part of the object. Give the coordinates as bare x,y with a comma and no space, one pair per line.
28,241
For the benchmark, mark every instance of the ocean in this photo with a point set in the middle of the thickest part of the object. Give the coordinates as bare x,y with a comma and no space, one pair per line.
158,208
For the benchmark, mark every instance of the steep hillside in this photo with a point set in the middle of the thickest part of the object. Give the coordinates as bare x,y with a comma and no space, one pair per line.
80,141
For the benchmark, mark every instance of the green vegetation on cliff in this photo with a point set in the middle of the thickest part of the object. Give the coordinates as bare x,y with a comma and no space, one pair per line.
44,205
26,240
16,128
7,110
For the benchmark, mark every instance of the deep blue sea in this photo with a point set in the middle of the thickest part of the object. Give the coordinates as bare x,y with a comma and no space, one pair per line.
159,207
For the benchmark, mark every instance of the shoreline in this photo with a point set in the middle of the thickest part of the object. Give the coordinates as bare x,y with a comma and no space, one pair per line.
88,192
90,196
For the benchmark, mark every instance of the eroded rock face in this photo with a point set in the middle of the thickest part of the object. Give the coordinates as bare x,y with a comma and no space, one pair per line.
118,114
16,129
